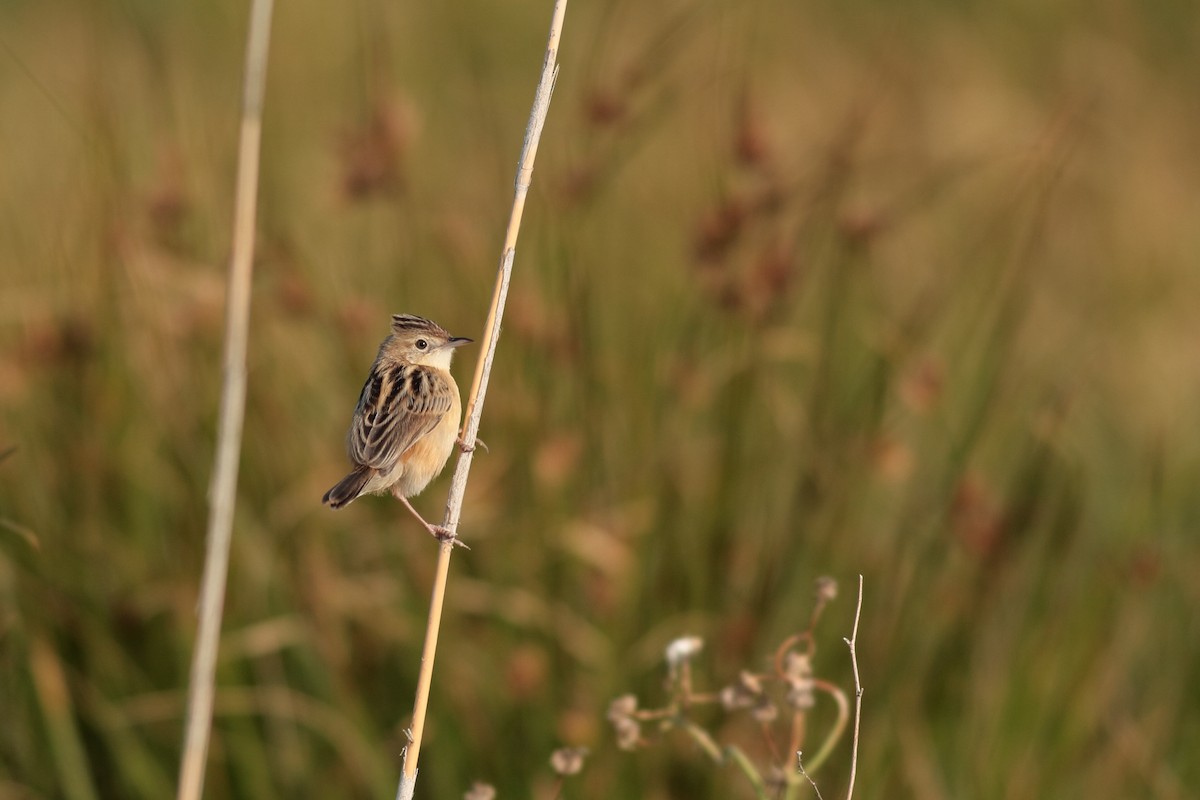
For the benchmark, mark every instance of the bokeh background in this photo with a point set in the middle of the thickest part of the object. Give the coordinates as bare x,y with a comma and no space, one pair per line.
827,288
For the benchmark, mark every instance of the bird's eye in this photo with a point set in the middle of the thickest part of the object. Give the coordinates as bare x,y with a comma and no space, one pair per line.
422,344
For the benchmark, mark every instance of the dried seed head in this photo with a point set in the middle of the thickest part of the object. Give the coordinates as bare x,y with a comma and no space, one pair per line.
373,156
862,225
764,711
732,699
775,271
797,671
801,696
682,649
629,732
627,729
750,145
480,791
624,706
801,686
826,588
568,760
605,107
750,682
797,666
720,229
977,516
746,693
921,386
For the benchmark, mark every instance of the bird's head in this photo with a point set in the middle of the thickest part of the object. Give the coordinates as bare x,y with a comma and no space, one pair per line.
422,341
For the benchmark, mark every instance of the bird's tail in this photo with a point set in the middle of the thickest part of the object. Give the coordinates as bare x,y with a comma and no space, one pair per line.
348,488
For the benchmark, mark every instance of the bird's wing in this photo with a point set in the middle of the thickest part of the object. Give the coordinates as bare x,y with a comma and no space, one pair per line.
398,406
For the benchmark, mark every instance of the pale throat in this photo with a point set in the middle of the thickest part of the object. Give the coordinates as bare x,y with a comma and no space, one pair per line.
440,358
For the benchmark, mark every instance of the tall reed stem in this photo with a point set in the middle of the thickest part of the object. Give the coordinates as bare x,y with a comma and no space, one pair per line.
470,430
223,491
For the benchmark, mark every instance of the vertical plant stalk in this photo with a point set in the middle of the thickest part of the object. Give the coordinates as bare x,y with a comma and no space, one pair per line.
223,490
858,691
483,369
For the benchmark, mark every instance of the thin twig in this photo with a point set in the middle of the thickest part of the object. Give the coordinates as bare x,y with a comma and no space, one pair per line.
858,691
470,430
804,772
223,491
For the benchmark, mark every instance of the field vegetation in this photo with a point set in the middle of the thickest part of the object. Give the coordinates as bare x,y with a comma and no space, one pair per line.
804,289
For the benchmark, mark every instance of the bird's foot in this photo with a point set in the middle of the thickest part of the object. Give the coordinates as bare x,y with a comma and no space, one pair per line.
444,534
439,532
470,448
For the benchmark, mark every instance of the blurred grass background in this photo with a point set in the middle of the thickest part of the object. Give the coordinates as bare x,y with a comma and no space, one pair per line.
901,289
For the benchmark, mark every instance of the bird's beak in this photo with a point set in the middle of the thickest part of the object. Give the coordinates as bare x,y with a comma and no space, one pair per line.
458,341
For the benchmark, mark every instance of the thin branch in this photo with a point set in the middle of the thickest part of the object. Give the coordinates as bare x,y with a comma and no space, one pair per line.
223,491
470,430
858,691
804,772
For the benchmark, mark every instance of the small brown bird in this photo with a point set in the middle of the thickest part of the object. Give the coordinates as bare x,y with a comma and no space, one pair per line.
406,420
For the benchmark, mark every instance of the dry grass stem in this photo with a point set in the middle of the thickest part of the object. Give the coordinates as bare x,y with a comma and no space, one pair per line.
474,406
858,691
807,777
223,491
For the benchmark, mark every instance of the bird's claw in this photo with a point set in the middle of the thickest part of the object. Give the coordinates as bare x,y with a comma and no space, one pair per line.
444,534
470,448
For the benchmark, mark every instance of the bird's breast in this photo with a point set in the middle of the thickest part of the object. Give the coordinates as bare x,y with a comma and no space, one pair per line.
425,460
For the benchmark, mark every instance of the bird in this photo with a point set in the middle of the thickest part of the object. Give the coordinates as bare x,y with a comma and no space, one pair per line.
406,422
